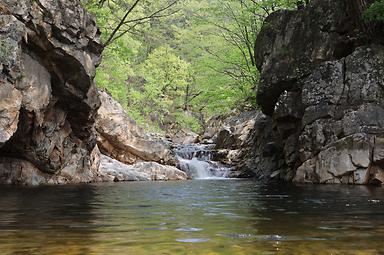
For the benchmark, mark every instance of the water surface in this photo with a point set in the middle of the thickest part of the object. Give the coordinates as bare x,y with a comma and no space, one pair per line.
192,217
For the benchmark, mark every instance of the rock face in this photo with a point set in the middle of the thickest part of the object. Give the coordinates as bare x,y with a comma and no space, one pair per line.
48,102
294,42
235,130
261,153
182,136
321,87
120,138
231,138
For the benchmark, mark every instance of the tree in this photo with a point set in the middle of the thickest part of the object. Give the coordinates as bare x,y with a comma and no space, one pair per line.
192,60
125,16
375,12
167,89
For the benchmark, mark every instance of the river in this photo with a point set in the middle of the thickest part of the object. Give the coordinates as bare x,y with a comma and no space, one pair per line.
192,217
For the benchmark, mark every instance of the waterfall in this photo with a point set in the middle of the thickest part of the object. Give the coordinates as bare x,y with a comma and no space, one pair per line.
196,160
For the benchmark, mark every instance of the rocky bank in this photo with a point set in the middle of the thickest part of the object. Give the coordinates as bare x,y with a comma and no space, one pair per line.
229,136
49,51
321,92
119,137
50,121
129,153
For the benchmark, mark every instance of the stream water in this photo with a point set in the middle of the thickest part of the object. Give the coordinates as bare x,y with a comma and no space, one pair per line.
197,161
192,217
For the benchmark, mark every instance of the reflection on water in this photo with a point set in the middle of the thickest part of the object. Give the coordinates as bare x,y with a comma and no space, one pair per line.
192,217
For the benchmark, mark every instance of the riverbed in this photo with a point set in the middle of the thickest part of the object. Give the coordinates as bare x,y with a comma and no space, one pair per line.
192,217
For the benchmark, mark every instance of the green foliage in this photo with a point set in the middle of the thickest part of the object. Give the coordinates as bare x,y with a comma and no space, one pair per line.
269,6
375,11
179,68
166,78
115,68
185,119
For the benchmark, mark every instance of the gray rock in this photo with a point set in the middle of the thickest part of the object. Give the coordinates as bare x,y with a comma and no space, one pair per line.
321,84
120,138
306,173
20,172
48,101
226,139
233,138
376,175
235,130
292,43
10,104
343,158
368,118
111,169
35,84
345,161
159,172
182,136
261,153
378,152
325,85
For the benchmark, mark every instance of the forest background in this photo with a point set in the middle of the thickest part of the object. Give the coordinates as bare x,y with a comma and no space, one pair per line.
173,64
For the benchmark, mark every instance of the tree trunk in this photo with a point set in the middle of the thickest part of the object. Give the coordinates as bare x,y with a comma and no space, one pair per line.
357,8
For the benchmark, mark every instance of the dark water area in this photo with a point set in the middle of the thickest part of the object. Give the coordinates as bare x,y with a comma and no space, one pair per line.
192,217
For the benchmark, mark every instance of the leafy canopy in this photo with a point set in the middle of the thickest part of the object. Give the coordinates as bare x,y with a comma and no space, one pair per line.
375,11
177,63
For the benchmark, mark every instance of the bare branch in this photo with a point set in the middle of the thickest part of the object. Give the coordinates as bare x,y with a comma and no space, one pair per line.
112,35
155,14
117,31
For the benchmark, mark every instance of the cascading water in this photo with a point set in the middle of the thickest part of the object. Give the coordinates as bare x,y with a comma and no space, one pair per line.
196,161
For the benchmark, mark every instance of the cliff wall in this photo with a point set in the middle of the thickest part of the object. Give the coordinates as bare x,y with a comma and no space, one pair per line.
48,101
321,90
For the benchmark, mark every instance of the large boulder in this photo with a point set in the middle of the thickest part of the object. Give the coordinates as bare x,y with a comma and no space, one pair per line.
321,85
48,101
344,161
121,138
113,170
